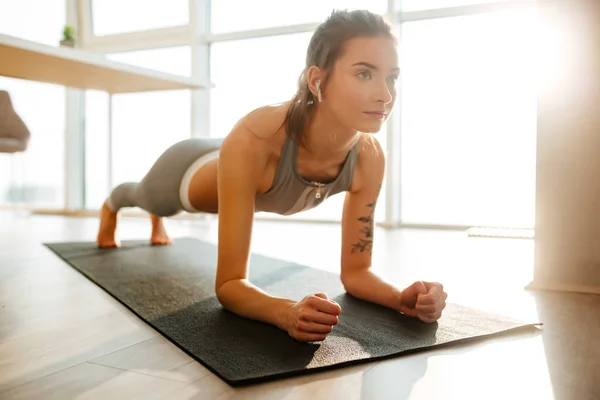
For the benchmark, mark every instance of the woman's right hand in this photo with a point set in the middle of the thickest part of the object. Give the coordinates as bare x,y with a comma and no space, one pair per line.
312,318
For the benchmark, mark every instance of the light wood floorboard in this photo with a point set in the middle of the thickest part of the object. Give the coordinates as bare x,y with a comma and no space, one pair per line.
62,337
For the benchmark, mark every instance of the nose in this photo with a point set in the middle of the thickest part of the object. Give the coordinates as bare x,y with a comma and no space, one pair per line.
383,92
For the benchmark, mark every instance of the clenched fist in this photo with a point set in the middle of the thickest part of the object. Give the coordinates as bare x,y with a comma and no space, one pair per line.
424,300
312,318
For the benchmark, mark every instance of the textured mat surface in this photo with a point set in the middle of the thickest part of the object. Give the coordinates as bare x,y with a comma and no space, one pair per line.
171,288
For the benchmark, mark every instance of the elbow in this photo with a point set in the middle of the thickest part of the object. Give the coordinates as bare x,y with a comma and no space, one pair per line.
225,293
353,278
221,294
348,282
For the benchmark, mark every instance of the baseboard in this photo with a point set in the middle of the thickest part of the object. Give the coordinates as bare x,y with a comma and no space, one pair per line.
94,213
506,233
563,287
410,225
471,231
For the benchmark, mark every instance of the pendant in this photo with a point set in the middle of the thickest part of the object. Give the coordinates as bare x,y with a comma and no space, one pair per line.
318,193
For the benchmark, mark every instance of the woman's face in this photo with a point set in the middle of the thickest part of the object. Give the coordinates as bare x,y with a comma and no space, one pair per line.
361,91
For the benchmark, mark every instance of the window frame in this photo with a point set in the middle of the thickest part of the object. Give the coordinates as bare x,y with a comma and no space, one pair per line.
197,35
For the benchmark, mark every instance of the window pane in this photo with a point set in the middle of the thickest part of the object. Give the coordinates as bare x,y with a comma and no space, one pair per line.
39,176
469,120
121,16
382,202
419,5
37,20
96,149
172,60
144,124
233,15
35,177
240,88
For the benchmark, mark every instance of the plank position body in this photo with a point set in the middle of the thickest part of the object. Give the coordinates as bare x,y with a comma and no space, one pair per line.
286,159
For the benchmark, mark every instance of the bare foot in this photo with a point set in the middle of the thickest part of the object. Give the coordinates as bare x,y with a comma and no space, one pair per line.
108,226
159,233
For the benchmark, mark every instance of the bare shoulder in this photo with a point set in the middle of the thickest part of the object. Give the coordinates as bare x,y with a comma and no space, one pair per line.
258,132
255,141
370,150
370,163
266,122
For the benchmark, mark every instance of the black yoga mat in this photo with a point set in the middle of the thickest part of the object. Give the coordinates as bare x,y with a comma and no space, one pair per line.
171,288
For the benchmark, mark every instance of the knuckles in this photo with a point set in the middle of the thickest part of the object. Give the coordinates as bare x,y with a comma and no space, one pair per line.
303,314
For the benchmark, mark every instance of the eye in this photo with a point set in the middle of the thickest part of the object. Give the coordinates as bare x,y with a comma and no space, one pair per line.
364,74
393,79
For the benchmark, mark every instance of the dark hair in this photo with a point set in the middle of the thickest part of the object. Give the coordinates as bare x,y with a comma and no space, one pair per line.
325,47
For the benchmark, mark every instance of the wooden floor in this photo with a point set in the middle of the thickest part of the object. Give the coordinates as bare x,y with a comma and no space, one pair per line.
61,337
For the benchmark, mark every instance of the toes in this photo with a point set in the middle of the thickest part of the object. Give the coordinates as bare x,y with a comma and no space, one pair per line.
106,245
161,241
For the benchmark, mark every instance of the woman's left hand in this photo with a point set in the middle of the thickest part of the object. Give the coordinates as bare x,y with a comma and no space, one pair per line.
424,300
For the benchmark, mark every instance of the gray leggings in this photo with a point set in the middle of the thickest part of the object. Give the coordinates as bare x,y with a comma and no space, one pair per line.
158,191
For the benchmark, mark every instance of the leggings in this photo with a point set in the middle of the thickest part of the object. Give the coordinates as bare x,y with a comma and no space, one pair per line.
163,190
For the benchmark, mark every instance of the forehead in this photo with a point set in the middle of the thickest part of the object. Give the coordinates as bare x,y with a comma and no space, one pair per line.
380,51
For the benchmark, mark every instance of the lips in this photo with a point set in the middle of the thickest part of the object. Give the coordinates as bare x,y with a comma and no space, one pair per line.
376,114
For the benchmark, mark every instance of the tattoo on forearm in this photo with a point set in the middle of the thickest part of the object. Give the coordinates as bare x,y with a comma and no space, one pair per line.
365,243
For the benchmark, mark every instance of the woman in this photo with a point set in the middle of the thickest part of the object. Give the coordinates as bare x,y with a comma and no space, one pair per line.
286,159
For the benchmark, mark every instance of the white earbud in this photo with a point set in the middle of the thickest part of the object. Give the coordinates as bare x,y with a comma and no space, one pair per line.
319,91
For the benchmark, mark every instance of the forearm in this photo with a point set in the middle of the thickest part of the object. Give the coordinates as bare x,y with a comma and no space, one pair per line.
367,285
247,300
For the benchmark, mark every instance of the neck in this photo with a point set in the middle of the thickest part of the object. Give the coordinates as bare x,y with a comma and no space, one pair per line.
324,138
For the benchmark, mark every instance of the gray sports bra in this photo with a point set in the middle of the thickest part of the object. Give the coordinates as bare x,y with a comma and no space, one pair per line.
290,193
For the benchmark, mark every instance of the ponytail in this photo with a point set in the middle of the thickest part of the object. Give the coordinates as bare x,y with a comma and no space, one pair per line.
298,111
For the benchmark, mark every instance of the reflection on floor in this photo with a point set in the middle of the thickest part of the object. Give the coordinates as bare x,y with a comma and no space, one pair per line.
63,337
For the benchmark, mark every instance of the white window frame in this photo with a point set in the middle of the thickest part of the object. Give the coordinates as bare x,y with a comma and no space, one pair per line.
197,35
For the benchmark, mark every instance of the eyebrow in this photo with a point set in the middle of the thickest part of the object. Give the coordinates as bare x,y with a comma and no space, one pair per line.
369,65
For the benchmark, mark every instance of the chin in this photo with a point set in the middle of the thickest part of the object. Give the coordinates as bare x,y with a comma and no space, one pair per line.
370,127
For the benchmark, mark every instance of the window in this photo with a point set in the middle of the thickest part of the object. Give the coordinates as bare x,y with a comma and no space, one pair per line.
35,178
123,16
251,73
172,60
97,185
36,20
38,174
419,5
234,15
469,120
143,124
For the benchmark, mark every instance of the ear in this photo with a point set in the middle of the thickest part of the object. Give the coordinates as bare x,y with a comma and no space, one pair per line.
313,75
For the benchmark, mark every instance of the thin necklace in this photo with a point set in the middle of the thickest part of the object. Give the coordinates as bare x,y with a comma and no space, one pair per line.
319,186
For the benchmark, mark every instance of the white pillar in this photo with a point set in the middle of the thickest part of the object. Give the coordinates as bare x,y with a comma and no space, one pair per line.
74,127
200,100
567,243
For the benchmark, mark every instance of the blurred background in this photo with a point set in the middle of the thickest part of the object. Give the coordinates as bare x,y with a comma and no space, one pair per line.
461,144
